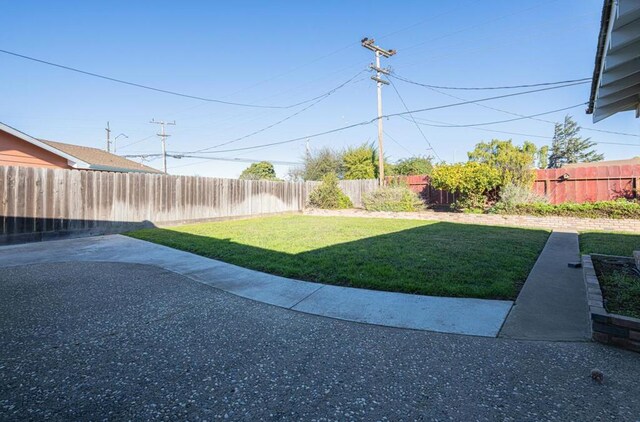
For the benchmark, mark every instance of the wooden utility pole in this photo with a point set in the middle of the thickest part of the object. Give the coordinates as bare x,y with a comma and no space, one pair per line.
369,44
163,136
108,129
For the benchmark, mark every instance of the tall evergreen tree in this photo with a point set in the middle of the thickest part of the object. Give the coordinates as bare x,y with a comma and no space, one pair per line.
569,147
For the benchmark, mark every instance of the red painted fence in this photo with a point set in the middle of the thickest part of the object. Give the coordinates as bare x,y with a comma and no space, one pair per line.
588,184
422,186
569,184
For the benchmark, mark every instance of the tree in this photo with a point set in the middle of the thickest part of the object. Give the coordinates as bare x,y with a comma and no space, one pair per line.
328,194
360,162
414,166
516,163
318,163
259,171
569,147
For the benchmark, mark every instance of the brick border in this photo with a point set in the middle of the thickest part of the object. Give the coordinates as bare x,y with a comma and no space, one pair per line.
608,328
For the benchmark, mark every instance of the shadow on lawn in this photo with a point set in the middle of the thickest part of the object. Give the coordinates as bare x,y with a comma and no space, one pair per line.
443,259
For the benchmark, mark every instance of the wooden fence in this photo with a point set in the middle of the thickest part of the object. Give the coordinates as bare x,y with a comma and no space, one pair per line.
422,186
588,183
354,189
39,203
569,184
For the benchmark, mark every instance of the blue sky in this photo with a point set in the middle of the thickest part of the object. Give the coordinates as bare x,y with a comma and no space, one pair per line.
284,52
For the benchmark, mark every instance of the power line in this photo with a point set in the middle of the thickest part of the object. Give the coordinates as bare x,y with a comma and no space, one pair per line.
534,118
150,88
446,125
366,122
497,97
504,121
403,79
136,142
414,121
327,94
398,143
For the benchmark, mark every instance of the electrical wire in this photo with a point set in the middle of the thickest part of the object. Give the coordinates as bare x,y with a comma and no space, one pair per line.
367,122
284,119
150,88
503,121
136,142
396,142
536,119
497,97
414,121
403,79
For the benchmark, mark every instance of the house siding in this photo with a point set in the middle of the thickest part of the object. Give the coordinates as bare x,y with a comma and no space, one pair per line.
16,152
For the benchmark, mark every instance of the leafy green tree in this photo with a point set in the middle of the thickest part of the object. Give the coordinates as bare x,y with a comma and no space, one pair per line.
543,157
414,166
360,162
328,194
569,147
516,163
318,163
259,171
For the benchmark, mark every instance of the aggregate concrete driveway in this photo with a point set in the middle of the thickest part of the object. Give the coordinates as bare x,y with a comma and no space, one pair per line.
88,340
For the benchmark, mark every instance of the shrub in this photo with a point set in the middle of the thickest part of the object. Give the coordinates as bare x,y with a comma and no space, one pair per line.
360,162
475,183
259,171
514,162
414,166
513,195
329,195
392,198
618,209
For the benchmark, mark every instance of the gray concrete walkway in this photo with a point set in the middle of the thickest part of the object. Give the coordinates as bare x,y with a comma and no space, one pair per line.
114,341
448,315
552,305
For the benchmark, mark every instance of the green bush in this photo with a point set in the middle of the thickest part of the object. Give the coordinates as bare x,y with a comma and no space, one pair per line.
329,195
513,195
475,183
619,209
393,198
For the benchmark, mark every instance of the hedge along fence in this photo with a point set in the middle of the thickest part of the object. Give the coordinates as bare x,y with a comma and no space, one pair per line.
40,203
422,186
575,184
354,189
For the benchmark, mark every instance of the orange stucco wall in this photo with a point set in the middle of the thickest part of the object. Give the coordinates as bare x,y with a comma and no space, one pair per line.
16,152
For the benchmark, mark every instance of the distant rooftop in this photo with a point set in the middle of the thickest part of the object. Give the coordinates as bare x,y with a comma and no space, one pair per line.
100,159
627,162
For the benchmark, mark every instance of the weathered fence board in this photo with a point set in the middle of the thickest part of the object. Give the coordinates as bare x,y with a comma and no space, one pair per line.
37,203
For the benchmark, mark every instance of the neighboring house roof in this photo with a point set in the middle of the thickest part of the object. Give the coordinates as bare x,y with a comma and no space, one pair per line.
100,159
615,85
627,162
79,157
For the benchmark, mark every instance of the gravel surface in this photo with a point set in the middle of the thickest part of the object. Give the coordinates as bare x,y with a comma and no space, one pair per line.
101,341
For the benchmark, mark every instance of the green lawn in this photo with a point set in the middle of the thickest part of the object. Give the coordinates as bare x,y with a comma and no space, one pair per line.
431,258
608,243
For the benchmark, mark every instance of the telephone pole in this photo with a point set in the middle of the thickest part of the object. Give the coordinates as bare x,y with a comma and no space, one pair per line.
163,136
108,137
379,51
